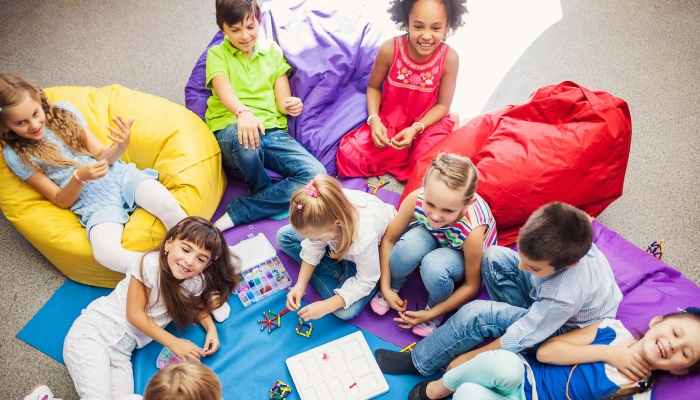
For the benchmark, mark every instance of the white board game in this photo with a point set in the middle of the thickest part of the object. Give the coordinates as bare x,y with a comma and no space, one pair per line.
343,369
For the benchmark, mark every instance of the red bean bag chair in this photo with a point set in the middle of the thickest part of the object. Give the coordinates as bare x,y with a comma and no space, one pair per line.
565,144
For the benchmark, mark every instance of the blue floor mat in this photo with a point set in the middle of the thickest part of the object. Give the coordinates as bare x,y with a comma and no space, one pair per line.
248,362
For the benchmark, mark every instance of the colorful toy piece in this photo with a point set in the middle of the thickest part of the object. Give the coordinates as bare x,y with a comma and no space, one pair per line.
303,324
409,347
375,187
656,249
270,323
280,391
166,357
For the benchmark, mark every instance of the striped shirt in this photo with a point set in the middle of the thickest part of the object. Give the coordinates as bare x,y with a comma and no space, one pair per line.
453,236
575,297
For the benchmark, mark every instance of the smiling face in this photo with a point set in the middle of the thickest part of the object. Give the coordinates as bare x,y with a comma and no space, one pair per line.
442,205
27,119
427,24
185,258
243,34
672,344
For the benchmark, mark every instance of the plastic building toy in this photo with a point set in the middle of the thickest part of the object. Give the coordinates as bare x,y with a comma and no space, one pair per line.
375,187
270,322
261,281
303,324
280,391
409,347
656,249
166,357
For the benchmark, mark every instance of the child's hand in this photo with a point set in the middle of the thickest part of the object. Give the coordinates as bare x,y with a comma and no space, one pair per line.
628,362
211,343
294,298
248,128
394,300
93,171
122,137
404,138
409,319
314,310
293,106
186,350
378,133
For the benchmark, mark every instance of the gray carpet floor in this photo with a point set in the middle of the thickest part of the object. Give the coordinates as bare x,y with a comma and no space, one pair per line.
646,52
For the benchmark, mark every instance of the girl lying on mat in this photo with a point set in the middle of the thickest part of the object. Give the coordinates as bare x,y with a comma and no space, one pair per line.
191,274
351,224
573,365
52,148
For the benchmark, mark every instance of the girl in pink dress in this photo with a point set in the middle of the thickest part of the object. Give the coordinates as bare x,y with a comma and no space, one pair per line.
411,112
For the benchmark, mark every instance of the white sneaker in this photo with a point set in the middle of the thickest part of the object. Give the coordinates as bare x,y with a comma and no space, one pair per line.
222,313
426,328
41,393
379,304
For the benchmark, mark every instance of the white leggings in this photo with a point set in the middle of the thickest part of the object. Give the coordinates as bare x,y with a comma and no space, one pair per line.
106,238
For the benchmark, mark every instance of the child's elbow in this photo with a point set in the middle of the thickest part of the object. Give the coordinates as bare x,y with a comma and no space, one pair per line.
544,354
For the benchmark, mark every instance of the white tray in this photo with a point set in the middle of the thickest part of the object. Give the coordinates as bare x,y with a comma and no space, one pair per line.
349,361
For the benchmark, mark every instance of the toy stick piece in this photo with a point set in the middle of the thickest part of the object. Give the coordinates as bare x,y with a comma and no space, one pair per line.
408,348
286,310
353,385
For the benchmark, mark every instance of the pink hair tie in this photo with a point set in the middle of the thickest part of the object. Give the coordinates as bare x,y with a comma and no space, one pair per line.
299,206
311,190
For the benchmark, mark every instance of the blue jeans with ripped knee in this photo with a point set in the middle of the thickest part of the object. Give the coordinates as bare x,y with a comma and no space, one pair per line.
278,152
328,275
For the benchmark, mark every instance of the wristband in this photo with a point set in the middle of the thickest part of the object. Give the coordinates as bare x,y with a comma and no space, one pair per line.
422,127
373,115
244,110
75,174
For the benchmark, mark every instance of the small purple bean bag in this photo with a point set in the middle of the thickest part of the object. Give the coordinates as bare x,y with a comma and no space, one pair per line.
331,47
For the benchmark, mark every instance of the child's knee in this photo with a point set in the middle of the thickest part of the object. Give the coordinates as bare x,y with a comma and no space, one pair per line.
285,236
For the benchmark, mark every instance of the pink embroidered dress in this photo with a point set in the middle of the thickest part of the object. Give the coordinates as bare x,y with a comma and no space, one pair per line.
410,90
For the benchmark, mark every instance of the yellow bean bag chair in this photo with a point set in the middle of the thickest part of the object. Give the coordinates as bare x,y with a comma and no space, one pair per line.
165,136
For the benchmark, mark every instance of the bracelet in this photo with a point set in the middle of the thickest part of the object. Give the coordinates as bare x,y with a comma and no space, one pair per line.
75,174
373,115
421,125
244,110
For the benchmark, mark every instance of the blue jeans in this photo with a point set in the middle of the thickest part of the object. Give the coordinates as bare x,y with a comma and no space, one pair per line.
440,267
328,275
492,375
277,151
509,289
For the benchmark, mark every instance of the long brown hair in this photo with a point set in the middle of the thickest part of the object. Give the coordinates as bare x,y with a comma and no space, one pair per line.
458,173
187,380
308,212
13,91
219,278
628,393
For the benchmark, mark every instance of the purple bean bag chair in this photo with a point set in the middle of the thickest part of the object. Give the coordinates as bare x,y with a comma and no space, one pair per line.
331,47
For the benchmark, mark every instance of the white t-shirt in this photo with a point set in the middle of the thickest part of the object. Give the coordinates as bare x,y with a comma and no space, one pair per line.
113,306
375,216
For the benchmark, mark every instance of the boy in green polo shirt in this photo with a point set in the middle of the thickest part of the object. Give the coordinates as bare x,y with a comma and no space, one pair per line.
247,113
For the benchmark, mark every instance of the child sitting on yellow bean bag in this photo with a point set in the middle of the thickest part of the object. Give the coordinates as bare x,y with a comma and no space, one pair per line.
165,137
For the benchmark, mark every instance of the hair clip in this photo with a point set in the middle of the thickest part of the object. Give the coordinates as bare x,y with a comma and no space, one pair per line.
693,310
299,206
311,190
183,221
216,258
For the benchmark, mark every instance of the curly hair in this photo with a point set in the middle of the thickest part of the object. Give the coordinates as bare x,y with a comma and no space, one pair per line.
399,10
13,91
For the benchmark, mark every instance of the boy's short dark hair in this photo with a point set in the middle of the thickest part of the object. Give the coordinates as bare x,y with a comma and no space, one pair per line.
558,233
232,12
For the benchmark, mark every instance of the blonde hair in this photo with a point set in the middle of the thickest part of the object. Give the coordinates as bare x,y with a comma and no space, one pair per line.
458,173
321,212
187,380
13,91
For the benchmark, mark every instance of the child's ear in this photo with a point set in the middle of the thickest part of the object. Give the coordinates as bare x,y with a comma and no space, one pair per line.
679,371
167,245
337,222
655,320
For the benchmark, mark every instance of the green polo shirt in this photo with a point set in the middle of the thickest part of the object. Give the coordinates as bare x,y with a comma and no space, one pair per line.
252,81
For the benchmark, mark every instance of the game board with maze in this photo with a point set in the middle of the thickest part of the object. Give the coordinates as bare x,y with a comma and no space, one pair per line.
343,369
263,273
